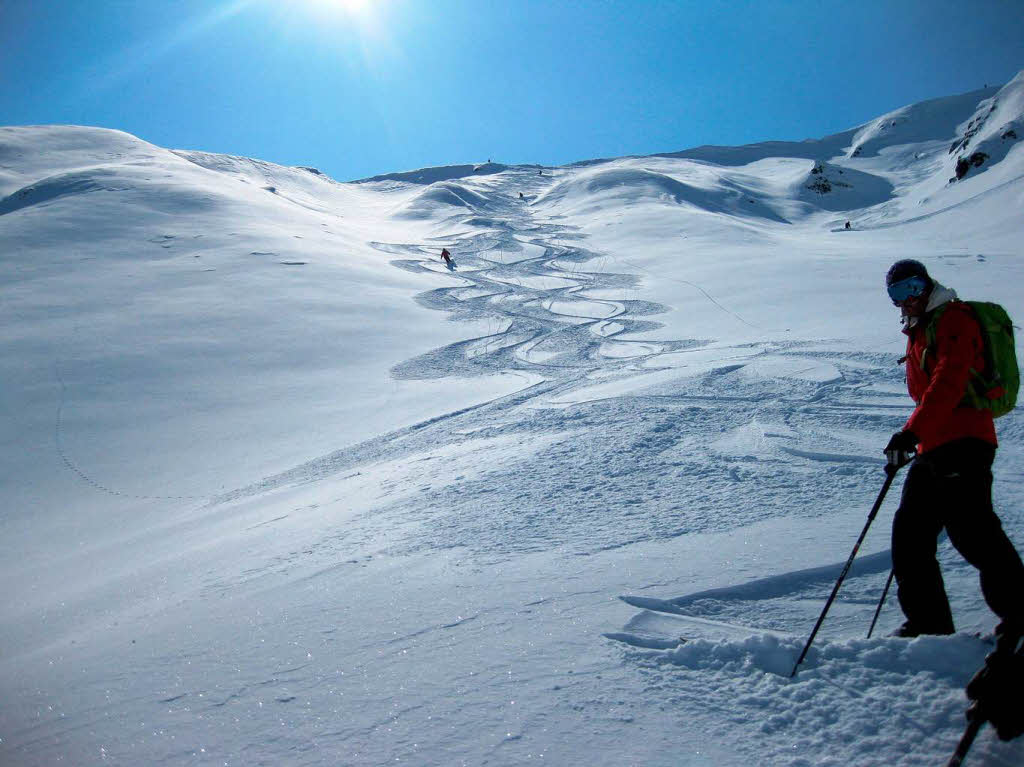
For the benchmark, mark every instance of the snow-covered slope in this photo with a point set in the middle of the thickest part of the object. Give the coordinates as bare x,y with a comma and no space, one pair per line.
281,487
434,175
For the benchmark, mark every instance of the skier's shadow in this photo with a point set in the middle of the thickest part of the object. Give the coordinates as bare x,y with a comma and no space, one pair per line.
451,265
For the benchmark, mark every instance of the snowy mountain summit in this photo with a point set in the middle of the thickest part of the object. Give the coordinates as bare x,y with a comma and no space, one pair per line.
282,486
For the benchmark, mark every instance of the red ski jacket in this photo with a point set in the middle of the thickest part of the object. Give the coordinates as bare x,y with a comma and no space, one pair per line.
937,379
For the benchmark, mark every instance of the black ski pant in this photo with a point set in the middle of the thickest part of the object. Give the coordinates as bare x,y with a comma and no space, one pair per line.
951,487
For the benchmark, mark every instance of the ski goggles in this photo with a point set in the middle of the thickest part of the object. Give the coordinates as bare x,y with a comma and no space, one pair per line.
911,287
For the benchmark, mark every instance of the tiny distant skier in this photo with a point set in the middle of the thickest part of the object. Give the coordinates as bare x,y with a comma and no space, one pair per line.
447,258
847,225
949,484
520,195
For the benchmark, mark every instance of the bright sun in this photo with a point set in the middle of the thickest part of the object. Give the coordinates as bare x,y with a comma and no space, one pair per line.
366,18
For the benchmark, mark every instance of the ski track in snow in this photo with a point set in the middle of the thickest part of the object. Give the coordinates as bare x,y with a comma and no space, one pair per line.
807,436
618,440
799,423
793,432
672,460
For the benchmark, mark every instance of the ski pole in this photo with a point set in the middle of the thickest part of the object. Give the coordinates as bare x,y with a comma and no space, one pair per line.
974,725
890,474
878,611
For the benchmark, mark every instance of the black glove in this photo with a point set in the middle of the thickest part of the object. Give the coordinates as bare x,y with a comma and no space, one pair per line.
901,448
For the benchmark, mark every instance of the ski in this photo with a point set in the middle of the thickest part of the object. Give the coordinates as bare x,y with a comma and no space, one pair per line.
665,622
662,625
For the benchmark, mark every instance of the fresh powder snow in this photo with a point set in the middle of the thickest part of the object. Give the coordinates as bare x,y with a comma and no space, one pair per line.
281,487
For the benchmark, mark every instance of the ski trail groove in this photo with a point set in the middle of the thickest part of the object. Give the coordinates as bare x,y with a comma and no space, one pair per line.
551,327
704,451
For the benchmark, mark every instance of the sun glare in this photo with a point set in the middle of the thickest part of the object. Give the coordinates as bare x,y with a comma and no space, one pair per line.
349,6
342,23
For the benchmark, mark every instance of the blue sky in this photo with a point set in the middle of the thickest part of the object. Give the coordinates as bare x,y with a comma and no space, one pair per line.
401,84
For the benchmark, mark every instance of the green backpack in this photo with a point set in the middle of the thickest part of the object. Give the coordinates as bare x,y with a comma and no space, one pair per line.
996,387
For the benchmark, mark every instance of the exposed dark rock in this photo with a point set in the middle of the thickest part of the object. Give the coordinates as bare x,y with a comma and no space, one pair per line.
972,128
963,164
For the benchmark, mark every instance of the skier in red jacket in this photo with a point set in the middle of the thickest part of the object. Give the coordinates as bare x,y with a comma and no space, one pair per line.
949,484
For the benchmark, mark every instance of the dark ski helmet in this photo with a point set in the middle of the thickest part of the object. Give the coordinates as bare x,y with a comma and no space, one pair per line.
907,279
905,268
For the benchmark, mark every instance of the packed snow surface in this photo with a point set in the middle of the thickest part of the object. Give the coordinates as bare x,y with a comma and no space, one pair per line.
282,487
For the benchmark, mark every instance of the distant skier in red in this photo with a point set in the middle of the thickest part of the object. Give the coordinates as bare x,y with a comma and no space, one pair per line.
446,256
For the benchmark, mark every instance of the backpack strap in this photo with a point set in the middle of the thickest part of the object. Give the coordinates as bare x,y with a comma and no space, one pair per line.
931,334
979,387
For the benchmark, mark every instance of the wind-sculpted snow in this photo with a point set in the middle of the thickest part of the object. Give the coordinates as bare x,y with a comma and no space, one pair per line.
603,186
441,195
66,149
627,182
260,172
921,123
47,190
810,149
98,182
434,175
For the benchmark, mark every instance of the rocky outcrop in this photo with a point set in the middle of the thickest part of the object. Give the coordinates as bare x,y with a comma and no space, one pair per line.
821,182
